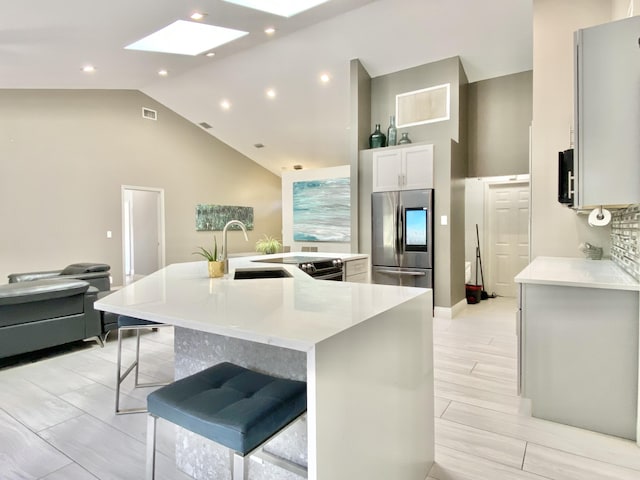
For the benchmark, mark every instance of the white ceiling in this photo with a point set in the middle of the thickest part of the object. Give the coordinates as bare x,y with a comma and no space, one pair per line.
45,44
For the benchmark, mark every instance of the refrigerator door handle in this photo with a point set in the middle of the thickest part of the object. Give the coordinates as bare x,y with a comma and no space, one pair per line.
396,240
400,272
401,228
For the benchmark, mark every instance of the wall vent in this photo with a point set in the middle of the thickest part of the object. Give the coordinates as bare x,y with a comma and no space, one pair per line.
205,125
149,114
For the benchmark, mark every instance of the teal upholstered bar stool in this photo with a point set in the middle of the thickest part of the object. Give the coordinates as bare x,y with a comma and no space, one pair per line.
130,323
230,405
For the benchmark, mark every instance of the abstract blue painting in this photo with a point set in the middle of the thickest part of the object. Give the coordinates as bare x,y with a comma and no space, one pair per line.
322,210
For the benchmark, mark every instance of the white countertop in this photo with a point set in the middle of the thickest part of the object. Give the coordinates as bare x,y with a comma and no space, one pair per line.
577,272
296,312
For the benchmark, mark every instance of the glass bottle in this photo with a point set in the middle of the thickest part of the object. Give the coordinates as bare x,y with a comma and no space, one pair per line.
404,139
392,132
377,138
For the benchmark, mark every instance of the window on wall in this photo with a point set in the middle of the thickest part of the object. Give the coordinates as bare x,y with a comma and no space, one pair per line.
427,105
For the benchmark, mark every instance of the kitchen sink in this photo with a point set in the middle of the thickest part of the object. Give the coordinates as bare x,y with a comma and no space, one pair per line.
249,273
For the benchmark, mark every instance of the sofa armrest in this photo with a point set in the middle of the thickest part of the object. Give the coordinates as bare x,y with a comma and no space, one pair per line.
40,290
93,321
30,276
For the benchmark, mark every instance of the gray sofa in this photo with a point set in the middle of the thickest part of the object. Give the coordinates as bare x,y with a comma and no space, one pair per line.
46,312
97,274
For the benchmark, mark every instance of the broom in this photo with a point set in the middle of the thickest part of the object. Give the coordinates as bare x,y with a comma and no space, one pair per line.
483,294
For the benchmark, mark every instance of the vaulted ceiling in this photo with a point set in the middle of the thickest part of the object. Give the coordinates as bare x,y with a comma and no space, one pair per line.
44,45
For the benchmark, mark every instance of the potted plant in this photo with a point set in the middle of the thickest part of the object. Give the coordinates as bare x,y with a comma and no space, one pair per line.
268,245
216,266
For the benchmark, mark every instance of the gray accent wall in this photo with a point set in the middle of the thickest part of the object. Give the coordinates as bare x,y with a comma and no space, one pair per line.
499,117
450,167
64,155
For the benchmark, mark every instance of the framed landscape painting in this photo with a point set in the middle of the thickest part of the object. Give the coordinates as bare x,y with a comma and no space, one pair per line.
322,210
214,217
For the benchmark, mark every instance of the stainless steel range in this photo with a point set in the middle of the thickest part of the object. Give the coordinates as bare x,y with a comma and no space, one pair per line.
320,268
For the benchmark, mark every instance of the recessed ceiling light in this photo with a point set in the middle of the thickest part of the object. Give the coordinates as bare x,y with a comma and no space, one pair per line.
271,93
324,78
283,8
211,54
186,38
197,16
225,104
163,73
269,30
88,69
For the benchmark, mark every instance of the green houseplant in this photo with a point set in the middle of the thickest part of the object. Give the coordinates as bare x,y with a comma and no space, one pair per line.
268,245
216,267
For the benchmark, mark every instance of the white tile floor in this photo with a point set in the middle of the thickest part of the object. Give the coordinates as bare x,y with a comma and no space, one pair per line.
57,421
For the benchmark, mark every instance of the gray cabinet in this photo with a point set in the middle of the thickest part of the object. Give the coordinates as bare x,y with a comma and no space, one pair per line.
578,356
607,114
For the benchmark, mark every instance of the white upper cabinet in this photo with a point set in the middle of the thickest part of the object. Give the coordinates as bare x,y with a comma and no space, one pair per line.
608,114
403,168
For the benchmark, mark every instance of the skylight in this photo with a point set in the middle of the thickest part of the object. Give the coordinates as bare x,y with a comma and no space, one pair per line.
283,8
186,38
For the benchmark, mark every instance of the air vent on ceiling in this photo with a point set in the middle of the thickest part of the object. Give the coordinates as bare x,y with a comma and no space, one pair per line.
149,114
205,125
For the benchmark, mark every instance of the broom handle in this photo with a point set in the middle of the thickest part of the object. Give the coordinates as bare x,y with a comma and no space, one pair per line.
479,258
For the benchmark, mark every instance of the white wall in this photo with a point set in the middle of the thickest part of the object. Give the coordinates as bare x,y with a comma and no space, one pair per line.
65,154
288,178
555,229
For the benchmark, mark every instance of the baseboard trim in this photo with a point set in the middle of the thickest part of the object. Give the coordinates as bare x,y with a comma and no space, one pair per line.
450,312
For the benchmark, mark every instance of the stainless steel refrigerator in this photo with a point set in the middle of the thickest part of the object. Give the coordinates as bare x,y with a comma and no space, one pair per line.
402,238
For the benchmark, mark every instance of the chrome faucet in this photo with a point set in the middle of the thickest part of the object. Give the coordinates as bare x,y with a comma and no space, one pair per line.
225,257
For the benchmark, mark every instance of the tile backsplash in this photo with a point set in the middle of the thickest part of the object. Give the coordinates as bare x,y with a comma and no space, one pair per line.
625,240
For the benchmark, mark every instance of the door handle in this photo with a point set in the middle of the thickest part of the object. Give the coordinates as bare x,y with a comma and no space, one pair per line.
397,272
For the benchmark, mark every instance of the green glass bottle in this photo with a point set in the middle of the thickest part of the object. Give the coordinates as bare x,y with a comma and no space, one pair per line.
377,139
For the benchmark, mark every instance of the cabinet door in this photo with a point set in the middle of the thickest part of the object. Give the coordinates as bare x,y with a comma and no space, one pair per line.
417,167
608,113
387,173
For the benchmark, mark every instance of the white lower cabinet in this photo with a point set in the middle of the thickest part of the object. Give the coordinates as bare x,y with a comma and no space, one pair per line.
357,270
578,356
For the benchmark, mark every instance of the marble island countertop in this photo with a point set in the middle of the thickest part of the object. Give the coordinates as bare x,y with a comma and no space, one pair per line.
577,272
296,312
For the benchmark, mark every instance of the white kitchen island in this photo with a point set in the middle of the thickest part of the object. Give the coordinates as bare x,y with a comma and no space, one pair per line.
365,351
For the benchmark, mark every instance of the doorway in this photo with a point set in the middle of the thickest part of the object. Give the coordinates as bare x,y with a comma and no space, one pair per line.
506,235
142,231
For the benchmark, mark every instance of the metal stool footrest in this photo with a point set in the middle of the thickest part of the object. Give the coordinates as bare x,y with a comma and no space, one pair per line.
130,323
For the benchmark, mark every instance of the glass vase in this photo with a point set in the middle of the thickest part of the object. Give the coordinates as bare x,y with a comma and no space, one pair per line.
404,139
392,132
377,139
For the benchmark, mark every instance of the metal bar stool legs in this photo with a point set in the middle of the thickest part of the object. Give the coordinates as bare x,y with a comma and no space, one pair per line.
130,323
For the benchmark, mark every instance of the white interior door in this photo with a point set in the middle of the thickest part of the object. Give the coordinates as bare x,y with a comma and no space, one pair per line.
143,231
507,236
